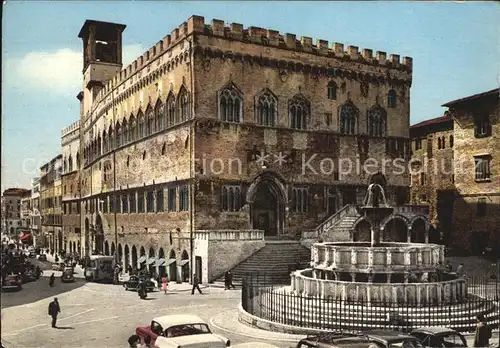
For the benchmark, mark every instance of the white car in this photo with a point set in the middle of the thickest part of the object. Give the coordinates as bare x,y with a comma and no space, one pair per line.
184,330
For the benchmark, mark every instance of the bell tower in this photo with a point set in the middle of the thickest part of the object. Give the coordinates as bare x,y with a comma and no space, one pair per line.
102,56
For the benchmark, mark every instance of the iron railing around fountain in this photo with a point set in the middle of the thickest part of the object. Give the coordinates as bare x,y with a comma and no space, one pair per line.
276,303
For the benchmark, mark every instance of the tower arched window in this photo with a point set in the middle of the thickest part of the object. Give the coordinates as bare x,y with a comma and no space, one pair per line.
377,121
104,142
170,109
70,163
111,136
391,98
132,128
267,109
332,90
349,114
142,125
230,104
149,121
299,110
125,132
118,139
183,104
65,166
159,116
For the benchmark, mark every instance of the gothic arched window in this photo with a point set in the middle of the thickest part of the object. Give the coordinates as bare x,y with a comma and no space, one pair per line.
99,148
391,98
104,142
170,109
230,104
70,163
159,116
132,128
125,132
149,121
377,121
183,105
332,90
142,125
78,159
267,109
118,139
111,136
348,118
299,110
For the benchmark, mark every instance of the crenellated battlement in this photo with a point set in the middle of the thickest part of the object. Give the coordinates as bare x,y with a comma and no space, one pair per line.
260,36
70,129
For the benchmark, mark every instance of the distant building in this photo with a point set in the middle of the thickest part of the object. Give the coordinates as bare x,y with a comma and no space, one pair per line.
476,203
35,216
51,199
11,209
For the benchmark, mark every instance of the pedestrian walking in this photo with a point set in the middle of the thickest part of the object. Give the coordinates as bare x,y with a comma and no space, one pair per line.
228,280
483,332
164,284
196,284
52,279
54,310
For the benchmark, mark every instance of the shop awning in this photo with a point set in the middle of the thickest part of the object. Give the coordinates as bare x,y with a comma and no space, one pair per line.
151,260
183,262
160,262
169,262
142,259
25,236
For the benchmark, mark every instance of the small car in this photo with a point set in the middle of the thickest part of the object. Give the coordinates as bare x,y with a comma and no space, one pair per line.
184,330
42,257
439,337
29,276
366,339
12,281
133,283
67,275
32,254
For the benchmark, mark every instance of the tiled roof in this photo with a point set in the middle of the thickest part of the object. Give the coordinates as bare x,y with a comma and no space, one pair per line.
474,96
432,121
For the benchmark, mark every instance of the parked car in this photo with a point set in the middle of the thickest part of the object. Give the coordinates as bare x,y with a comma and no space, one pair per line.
184,330
42,257
12,281
32,254
67,275
29,276
133,283
367,339
439,337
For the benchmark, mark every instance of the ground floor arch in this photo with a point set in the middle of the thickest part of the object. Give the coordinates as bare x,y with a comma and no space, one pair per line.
113,249
134,258
99,236
185,270
396,230
142,259
418,231
126,258
172,266
162,270
106,248
362,231
151,260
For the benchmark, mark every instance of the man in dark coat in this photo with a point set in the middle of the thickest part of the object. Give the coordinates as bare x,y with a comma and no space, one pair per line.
54,310
196,284
229,280
483,332
52,279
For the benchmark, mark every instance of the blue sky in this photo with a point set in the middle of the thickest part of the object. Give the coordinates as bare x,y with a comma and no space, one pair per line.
455,47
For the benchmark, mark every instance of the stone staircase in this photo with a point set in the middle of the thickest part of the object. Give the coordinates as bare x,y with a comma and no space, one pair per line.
276,260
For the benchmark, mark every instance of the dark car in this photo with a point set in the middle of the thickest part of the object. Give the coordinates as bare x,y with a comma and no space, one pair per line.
134,281
367,339
42,257
439,337
12,281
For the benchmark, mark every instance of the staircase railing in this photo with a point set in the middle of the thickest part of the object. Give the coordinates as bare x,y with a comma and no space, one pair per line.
348,209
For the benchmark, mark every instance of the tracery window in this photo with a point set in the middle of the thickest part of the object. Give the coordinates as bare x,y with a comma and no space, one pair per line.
142,125
132,130
170,109
118,140
299,110
183,104
231,198
159,116
377,122
391,98
230,104
149,121
348,117
332,90
267,106
70,164
299,200
125,132
111,136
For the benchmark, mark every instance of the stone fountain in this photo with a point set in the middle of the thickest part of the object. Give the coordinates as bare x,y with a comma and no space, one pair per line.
363,284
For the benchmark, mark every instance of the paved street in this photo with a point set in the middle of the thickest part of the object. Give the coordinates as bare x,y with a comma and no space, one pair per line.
106,315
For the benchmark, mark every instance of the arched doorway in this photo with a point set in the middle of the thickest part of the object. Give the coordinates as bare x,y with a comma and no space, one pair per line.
151,261
120,253
106,248
362,231
418,231
172,267
161,263
99,235
87,237
267,198
127,258
79,248
142,259
396,231
113,249
75,250
185,275
134,258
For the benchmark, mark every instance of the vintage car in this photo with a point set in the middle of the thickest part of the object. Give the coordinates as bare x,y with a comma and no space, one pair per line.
134,280
29,276
12,281
439,337
67,275
42,257
367,339
183,330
